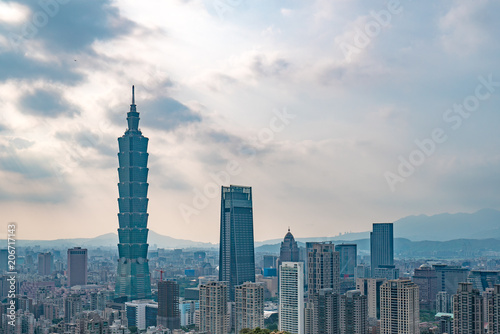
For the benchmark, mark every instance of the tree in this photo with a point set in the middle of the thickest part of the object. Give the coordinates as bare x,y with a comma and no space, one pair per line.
259,330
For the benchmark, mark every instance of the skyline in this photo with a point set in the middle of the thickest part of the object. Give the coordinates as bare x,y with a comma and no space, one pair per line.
282,96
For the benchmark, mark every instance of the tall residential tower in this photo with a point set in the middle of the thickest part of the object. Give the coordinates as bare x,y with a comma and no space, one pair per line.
213,316
133,278
323,278
353,313
399,307
249,306
323,267
291,298
468,312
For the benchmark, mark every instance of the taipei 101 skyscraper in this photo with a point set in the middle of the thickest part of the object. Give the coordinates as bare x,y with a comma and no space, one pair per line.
133,278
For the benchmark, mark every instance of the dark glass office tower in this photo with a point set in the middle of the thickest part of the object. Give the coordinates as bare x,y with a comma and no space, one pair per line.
381,245
236,255
77,266
133,278
348,259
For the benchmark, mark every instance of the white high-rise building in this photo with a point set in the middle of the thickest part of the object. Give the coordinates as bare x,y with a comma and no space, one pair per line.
141,313
291,297
399,307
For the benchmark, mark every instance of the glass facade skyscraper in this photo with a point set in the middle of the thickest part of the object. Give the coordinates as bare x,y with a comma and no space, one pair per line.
236,254
381,245
133,277
348,259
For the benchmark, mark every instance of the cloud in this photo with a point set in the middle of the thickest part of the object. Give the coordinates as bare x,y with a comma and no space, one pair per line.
221,136
162,113
84,138
21,143
47,103
218,82
31,168
267,67
16,158
12,13
247,68
31,180
30,196
271,31
75,25
41,46
22,67
287,12
164,175
468,27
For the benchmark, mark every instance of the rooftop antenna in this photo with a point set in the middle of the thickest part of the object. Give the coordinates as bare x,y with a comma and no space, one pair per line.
133,94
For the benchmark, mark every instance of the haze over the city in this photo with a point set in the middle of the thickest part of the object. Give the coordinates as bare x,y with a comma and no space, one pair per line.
338,113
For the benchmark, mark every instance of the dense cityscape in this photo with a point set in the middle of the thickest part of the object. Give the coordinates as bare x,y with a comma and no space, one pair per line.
312,288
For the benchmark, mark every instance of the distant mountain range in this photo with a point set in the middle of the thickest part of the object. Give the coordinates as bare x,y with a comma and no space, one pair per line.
478,225
442,235
483,224
459,248
111,240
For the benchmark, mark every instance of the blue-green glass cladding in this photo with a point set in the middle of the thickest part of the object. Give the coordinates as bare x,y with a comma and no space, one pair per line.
133,278
236,255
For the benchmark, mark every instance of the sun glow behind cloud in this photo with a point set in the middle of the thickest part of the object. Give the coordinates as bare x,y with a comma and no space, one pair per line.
13,13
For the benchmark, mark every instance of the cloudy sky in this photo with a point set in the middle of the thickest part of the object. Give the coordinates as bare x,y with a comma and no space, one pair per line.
338,113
